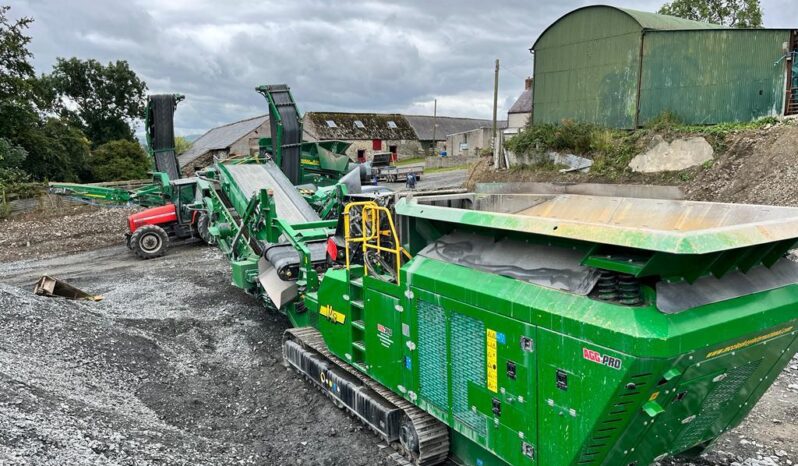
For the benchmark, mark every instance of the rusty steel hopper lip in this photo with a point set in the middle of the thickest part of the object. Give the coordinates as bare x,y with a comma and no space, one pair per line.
672,226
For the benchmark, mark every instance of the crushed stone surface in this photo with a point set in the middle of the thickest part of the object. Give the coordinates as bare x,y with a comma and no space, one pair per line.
64,229
174,366
757,167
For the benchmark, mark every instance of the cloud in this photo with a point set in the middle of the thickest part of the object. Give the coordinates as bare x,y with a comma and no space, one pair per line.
345,56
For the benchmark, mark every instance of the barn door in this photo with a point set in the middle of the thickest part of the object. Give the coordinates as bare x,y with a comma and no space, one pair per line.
791,105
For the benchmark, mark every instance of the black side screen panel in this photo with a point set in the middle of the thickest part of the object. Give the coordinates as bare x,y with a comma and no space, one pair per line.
675,297
162,134
549,266
292,131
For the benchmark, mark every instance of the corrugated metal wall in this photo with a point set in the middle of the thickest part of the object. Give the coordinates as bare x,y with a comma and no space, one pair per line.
713,76
586,68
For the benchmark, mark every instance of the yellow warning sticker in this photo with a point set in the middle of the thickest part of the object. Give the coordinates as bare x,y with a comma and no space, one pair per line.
493,383
330,313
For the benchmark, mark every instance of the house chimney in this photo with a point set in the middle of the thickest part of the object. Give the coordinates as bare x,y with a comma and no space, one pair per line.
528,83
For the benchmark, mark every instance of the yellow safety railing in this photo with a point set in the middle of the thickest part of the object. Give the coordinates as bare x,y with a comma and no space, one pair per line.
371,233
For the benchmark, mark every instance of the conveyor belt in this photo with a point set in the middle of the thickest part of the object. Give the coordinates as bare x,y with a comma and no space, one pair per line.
292,131
291,206
161,120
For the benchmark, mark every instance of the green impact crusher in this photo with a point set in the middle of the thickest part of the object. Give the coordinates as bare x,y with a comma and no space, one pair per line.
558,330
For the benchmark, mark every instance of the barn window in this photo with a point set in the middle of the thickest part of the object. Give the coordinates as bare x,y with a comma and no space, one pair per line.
359,124
331,124
391,124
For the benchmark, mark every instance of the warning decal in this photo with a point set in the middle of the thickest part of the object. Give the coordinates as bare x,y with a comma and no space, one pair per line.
493,384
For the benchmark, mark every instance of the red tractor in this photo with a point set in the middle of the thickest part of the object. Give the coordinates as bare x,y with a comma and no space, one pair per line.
150,232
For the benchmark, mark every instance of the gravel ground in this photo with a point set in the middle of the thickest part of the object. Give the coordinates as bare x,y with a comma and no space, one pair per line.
175,366
67,229
758,167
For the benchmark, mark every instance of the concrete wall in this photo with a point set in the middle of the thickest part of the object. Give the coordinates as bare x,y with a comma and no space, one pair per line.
642,191
446,162
205,160
517,120
248,145
406,149
469,143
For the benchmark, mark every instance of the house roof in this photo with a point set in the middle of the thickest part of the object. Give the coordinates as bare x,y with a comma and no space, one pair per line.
221,137
355,126
646,20
423,126
523,104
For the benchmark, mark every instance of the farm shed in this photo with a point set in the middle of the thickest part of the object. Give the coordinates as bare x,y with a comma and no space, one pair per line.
622,68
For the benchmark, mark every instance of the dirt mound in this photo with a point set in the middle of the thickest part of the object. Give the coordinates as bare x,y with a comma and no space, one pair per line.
758,167
71,229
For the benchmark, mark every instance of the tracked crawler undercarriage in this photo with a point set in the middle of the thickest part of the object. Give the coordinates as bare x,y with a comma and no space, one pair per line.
419,438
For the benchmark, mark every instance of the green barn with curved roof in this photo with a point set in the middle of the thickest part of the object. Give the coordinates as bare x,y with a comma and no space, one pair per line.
622,68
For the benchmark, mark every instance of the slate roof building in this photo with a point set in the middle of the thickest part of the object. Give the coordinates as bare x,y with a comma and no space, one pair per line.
521,110
405,135
234,139
423,126
623,68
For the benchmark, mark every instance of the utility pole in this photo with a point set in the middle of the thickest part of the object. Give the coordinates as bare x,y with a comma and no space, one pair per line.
499,163
434,127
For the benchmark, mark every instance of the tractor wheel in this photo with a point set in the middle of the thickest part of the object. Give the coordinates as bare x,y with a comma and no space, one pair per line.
202,228
149,241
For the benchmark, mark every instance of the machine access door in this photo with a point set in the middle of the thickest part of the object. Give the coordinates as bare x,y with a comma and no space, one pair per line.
476,369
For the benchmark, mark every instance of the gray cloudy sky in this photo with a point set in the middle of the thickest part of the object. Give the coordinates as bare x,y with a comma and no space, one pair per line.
393,56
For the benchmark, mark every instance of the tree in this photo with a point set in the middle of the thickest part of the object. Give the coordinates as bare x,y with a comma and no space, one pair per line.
16,76
11,158
102,100
181,144
16,71
11,155
733,13
119,160
52,148
57,151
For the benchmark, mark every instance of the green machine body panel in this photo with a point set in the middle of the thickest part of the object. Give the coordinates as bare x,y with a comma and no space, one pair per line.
322,163
528,374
